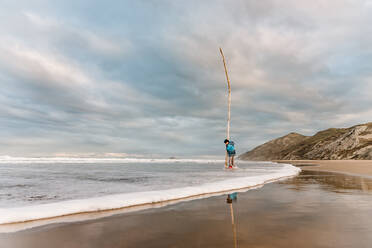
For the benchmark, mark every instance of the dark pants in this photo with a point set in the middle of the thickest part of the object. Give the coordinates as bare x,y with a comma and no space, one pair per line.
231,159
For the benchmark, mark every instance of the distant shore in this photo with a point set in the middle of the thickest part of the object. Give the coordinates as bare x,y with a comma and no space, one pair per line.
352,167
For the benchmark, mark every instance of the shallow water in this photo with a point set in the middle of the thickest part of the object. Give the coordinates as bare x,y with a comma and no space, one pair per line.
28,182
311,210
36,189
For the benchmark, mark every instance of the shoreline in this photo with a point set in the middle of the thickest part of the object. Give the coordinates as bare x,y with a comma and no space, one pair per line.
361,168
15,226
346,167
349,167
282,215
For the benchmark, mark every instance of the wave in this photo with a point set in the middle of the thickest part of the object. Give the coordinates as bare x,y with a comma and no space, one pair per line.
67,160
118,201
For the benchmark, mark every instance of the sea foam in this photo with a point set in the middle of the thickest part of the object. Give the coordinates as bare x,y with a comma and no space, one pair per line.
117,201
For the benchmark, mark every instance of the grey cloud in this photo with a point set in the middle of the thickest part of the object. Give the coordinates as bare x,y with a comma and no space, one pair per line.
146,76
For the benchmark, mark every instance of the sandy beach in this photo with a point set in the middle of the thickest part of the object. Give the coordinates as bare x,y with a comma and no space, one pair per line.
331,208
353,167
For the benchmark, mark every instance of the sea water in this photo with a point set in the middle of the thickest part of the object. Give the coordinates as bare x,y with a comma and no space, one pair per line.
36,188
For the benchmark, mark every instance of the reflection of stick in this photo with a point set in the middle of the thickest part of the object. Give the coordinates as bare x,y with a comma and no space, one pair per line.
228,103
233,225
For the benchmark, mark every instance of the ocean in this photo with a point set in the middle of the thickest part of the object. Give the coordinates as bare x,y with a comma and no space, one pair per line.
38,188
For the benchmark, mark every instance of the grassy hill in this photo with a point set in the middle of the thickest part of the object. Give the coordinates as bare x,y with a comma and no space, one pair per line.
334,143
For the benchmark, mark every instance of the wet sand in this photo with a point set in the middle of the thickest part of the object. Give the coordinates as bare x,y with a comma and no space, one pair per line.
353,167
315,209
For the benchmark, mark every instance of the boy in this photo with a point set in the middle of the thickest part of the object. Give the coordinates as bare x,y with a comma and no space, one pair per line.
230,151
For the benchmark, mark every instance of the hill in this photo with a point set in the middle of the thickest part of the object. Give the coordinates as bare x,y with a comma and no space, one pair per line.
334,143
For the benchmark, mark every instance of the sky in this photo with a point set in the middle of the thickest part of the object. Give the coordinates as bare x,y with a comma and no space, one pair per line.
145,78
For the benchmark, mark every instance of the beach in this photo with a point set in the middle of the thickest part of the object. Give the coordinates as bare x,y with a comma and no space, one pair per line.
352,167
175,124
314,209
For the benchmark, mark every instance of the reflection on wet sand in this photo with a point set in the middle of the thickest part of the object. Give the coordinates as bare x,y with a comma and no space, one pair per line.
230,199
365,187
335,182
315,209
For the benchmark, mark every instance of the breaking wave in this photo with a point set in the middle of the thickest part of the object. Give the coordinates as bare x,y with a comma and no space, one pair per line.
117,201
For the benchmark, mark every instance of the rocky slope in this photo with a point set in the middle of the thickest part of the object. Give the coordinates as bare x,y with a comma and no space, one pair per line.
334,143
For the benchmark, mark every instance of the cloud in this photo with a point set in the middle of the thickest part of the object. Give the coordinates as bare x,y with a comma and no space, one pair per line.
146,77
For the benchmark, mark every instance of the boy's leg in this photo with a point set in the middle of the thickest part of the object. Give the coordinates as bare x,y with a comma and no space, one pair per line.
232,160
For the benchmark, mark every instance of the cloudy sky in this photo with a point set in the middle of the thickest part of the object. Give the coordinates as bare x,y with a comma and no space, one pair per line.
146,77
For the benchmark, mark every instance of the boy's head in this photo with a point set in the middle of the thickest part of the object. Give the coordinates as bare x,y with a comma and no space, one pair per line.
226,141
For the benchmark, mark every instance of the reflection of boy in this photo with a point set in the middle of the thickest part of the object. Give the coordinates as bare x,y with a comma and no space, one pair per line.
232,197
230,151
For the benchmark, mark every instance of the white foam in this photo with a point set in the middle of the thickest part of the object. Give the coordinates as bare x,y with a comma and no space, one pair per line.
109,202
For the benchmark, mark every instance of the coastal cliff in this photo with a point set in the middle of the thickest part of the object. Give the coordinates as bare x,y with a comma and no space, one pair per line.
334,143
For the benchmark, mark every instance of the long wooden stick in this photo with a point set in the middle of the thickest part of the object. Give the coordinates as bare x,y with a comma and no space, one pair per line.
228,104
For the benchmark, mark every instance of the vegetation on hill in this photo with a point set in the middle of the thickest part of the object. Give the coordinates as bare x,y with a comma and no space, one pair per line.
334,143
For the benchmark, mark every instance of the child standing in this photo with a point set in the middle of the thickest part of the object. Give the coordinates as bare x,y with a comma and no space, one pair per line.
230,148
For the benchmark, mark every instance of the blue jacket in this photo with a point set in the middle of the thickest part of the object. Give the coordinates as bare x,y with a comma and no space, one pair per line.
230,149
